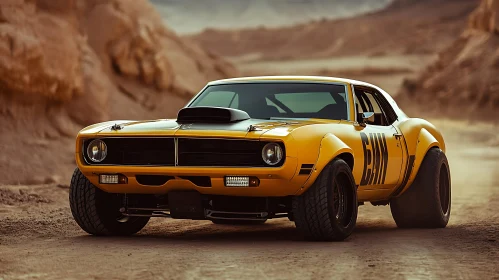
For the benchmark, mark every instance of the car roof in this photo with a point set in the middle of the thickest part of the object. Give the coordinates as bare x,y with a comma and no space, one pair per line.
317,79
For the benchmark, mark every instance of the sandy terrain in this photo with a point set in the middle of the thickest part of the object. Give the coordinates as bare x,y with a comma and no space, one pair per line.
39,239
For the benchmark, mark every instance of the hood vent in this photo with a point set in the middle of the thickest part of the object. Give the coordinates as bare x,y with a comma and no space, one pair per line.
211,115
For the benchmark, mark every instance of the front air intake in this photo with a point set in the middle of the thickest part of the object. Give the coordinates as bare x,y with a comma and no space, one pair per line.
211,115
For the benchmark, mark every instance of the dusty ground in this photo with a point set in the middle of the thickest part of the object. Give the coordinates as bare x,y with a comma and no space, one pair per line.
39,239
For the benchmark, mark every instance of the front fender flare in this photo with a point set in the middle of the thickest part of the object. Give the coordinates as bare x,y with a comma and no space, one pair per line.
331,147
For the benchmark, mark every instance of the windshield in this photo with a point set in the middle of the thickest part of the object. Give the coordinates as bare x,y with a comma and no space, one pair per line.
279,100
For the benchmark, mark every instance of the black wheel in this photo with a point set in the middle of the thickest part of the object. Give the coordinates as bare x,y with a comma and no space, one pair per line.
327,211
239,222
97,212
426,204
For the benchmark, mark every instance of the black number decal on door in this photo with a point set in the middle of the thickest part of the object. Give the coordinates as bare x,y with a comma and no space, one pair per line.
375,159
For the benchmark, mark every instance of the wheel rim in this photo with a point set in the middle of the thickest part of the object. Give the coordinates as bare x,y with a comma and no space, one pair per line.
444,189
342,200
338,200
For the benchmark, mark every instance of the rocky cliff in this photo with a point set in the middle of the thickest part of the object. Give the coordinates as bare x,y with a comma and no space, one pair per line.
190,16
65,64
464,81
404,27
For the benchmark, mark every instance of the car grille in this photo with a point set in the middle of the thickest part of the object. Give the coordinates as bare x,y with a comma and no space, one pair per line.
137,151
191,152
219,152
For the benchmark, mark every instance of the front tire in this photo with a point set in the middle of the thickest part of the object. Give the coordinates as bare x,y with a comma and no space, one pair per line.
327,211
427,202
97,212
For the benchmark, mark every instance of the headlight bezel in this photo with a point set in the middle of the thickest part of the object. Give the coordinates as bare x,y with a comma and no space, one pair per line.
88,152
280,154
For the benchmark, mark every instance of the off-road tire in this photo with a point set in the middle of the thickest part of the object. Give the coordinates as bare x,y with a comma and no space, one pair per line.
427,202
327,211
97,212
238,222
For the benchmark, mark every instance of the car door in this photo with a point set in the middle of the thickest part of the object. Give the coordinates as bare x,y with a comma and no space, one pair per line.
381,142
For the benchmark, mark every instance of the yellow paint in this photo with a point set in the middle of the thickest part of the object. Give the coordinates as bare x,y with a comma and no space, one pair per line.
313,141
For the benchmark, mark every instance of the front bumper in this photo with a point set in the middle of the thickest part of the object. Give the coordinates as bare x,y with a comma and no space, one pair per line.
279,181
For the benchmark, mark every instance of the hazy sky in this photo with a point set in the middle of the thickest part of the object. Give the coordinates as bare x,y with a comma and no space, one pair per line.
187,16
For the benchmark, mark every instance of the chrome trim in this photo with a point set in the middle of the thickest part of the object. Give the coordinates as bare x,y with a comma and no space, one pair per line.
147,209
277,81
219,138
244,215
354,106
175,141
155,212
87,154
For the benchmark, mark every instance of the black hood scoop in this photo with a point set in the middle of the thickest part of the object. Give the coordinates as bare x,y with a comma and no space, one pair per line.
211,115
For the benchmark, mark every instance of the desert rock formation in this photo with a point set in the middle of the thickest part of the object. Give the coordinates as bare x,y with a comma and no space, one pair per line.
192,16
404,27
464,81
65,64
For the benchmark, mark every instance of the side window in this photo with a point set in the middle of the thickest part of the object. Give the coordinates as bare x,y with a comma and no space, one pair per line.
365,101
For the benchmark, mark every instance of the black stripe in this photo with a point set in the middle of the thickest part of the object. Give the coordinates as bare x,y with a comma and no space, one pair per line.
376,165
307,165
384,152
305,171
408,172
367,159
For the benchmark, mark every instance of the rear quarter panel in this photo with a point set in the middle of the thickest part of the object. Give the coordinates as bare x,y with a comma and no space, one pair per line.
420,136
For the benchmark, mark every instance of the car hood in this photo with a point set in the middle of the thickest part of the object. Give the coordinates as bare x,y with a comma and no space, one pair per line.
251,128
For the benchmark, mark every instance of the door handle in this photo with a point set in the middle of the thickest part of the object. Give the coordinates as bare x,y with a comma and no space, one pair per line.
397,135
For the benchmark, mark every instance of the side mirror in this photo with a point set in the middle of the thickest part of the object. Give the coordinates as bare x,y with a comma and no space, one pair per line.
367,117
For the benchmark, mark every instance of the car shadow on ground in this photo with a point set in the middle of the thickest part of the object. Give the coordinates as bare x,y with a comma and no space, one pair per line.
284,231
369,233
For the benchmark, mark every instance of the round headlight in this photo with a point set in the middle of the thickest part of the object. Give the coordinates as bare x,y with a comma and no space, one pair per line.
272,153
97,150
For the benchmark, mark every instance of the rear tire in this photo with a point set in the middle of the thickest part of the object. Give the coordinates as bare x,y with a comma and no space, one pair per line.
97,212
427,202
327,211
239,222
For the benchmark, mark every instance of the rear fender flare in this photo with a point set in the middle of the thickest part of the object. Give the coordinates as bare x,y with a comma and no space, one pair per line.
330,148
425,142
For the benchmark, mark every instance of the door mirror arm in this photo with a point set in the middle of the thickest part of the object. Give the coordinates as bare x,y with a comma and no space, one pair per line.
367,117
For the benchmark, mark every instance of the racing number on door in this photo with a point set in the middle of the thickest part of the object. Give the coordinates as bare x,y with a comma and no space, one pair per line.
375,159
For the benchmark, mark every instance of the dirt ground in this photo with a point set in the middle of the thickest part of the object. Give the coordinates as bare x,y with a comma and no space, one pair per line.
40,240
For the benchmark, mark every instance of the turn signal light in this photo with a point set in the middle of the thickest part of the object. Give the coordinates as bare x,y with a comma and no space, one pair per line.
241,181
113,179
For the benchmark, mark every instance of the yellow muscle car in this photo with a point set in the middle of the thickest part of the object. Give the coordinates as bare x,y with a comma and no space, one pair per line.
244,150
